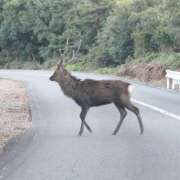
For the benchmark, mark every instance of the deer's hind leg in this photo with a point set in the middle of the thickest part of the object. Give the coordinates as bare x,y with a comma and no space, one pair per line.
123,114
135,110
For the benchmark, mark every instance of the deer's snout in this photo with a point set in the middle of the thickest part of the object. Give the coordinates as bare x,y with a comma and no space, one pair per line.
51,78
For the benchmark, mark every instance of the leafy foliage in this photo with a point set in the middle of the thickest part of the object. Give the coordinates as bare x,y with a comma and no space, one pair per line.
103,32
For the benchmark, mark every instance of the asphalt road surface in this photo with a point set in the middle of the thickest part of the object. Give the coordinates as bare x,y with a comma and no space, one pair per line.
51,150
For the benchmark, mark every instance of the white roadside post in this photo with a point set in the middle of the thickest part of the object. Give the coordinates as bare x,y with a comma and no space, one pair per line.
173,79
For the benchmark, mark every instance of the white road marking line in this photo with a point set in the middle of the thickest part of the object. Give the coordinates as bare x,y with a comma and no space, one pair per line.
162,111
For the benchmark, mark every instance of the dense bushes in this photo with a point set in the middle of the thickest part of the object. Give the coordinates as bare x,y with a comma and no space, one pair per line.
103,32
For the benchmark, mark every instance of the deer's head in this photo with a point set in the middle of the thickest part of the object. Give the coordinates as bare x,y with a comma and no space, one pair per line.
59,73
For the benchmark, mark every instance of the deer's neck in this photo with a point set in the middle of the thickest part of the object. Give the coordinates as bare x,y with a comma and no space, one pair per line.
69,85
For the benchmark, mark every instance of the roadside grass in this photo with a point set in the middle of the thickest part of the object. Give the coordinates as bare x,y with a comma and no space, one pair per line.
107,70
21,65
78,67
170,60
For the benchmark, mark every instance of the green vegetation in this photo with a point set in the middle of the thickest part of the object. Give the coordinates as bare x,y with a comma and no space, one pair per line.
107,70
78,67
170,60
93,34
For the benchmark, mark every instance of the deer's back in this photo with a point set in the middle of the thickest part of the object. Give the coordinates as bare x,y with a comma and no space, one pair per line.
96,93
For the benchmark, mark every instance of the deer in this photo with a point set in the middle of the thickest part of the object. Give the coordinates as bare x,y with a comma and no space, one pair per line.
89,93
92,93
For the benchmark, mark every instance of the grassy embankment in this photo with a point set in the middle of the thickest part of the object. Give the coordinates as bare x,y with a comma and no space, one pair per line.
168,60
149,68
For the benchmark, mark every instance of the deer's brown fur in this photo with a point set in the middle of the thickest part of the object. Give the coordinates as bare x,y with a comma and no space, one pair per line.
88,93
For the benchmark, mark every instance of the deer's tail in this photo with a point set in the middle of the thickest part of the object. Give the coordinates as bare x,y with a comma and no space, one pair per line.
130,88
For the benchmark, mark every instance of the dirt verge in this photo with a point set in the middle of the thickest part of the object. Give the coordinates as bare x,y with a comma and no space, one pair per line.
14,110
153,73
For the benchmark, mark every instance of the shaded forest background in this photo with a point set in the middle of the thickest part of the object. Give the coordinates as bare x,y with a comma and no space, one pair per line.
91,33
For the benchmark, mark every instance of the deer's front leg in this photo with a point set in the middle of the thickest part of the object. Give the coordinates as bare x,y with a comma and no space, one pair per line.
123,114
84,111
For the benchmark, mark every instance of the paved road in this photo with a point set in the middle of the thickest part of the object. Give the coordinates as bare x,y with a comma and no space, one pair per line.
52,151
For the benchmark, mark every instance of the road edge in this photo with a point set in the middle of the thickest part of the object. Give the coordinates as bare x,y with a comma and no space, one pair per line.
13,145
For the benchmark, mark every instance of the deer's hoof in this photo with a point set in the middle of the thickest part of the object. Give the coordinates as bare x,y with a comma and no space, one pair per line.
80,133
141,132
90,131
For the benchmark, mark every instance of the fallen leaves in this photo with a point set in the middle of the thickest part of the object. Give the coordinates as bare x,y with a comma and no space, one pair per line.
14,110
